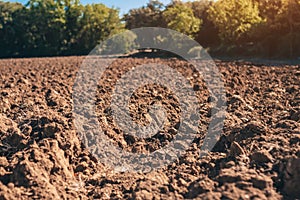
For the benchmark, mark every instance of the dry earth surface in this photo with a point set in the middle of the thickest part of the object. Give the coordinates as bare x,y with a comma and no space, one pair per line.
41,156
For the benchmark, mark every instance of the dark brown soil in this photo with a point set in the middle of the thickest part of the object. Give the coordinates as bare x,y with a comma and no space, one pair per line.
41,156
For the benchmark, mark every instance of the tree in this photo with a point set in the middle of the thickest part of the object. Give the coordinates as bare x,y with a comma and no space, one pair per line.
208,34
146,16
289,19
181,18
73,13
55,27
8,33
97,24
45,35
234,19
278,35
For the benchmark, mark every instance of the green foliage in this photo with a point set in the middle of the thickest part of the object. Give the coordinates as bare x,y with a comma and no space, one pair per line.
66,27
8,30
6,13
97,23
73,13
234,19
279,34
55,27
208,34
45,29
288,18
181,18
146,16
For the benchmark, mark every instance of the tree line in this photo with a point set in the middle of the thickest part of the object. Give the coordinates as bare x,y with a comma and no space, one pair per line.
54,27
262,28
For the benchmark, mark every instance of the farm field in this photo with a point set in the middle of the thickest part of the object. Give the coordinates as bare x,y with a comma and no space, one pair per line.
42,157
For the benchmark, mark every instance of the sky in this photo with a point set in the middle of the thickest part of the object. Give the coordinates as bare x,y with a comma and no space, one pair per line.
123,5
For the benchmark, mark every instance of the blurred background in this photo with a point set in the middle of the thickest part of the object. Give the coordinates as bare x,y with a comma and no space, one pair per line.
229,28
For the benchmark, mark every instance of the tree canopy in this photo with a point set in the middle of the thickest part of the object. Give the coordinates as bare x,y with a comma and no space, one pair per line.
180,17
234,19
55,27
266,28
